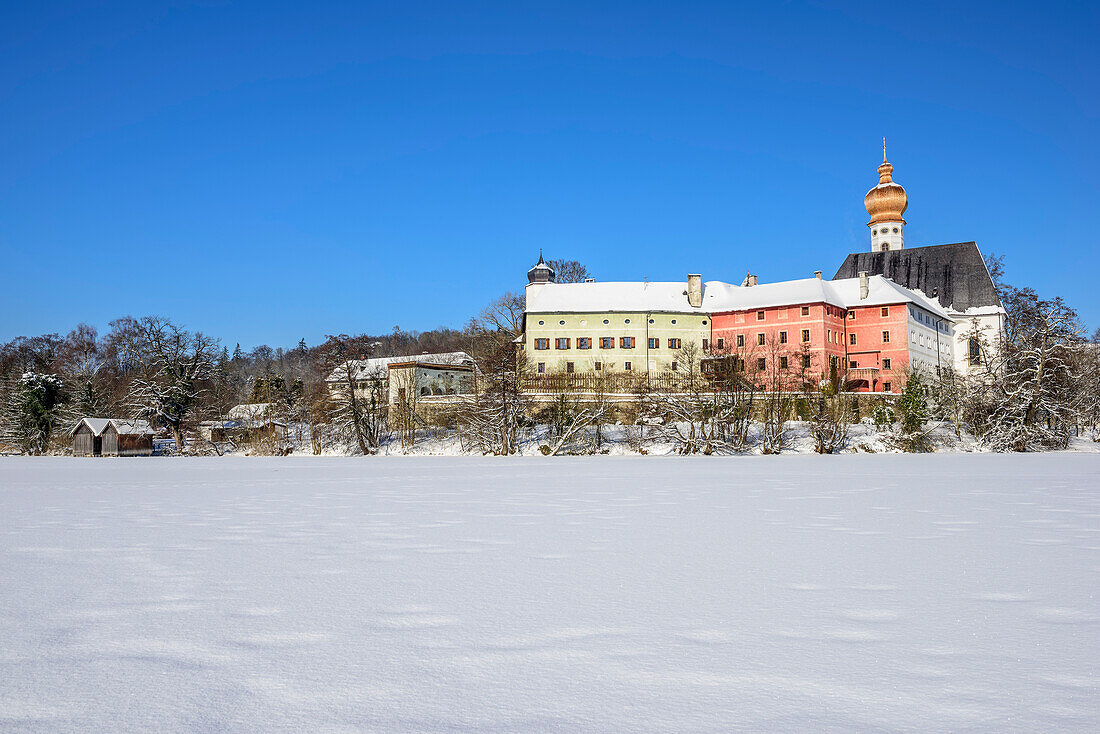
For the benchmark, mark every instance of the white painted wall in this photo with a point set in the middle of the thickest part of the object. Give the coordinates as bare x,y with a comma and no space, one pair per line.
883,232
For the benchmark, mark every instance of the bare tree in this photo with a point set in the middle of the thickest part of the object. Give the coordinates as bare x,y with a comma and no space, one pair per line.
569,271
175,366
831,420
772,372
358,395
490,418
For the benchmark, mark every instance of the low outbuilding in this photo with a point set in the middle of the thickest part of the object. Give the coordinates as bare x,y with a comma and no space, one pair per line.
112,437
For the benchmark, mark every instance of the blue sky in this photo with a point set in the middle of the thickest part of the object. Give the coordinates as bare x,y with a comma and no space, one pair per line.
271,171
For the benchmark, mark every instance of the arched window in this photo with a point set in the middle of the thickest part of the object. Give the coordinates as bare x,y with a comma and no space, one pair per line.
885,246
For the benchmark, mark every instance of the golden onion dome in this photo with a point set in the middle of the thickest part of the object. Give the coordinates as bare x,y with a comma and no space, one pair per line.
887,201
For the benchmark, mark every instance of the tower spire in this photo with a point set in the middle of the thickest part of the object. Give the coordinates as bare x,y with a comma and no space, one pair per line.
884,150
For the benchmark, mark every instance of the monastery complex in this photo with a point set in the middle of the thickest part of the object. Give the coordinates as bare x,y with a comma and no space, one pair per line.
886,310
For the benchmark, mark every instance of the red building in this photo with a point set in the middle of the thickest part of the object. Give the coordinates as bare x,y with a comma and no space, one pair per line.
865,332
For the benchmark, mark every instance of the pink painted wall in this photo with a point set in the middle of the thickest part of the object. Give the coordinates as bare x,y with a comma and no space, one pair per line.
830,337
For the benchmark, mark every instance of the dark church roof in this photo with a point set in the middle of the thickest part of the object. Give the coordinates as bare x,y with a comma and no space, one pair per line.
956,274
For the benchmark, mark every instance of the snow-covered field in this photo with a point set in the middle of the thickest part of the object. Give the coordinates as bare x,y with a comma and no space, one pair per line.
799,593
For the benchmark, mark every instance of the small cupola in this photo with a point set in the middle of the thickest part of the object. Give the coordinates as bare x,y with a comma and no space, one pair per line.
541,273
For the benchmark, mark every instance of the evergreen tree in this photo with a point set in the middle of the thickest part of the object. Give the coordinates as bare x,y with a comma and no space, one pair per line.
912,411
37,411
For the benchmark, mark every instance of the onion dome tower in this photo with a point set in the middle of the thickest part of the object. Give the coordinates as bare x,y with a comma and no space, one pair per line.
541,273
886,203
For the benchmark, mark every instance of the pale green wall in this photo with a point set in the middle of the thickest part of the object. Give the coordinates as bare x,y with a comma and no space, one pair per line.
689,328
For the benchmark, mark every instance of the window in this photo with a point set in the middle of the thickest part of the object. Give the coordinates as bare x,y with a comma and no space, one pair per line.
606,322
738,364
607,342
805,310
805,336
852,339
599,366
886,363
542,367
782,337
759,315
626,342
760,340
673,343
761,363
974,351
674,365
740,340
542,344
783,363
654,343
853,364
584,342
651,321
561,323
706,344
542,323
886,387
561,343
851,315
626,321
627,366
806,361
885,310
885,337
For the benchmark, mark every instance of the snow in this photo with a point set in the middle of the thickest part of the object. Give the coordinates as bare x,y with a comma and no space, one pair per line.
790,593
609,297
123,426
249,412
720,297
377,366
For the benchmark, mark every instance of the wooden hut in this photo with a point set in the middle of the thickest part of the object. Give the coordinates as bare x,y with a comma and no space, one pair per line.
112,437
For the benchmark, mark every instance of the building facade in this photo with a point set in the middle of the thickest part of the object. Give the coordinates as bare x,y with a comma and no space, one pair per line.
640,328
885,311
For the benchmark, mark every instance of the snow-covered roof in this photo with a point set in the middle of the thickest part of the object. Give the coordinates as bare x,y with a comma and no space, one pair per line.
377,366
630,297
123,426
249,411
719,296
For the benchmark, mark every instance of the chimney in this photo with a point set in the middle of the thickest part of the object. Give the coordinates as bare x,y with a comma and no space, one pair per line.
750,280
864,288
817,274
695,291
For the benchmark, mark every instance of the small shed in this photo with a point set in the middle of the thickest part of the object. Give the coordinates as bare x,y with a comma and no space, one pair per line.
112,437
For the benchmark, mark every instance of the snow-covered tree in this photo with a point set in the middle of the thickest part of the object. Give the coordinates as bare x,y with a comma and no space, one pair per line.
35,411
1035,386
175,366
